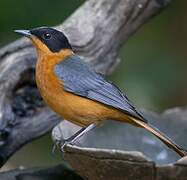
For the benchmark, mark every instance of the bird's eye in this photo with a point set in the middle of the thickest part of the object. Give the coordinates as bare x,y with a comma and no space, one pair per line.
47,36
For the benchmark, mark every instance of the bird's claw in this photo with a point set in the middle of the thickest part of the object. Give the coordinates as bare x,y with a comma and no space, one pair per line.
66,142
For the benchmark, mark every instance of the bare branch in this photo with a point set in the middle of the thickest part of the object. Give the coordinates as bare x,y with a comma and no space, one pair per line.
96,30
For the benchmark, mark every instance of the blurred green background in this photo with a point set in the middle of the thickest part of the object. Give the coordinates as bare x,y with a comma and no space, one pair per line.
152,71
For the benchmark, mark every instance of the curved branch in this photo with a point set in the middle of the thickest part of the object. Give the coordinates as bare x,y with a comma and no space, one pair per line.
96,30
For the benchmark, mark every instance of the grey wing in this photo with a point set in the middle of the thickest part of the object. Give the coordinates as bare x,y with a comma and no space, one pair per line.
80,79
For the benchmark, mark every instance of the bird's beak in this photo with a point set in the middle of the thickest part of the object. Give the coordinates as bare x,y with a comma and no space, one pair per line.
26,33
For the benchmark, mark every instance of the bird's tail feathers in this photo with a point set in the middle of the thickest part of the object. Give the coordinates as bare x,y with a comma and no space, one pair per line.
166,140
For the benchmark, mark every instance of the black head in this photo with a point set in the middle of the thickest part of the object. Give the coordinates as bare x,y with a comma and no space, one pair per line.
55,40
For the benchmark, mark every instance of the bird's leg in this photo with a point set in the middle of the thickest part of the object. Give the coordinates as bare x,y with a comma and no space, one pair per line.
62,142
77,135
87,129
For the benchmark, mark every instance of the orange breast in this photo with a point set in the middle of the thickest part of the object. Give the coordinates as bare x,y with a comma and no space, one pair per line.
81,111
74,108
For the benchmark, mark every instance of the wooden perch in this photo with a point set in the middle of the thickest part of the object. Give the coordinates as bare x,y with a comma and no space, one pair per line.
108,151
96,30
101,164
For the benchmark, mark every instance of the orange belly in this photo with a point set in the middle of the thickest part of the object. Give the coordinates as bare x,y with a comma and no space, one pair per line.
79,110
74,108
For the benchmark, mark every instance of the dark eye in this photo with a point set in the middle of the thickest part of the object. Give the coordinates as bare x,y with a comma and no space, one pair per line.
47,36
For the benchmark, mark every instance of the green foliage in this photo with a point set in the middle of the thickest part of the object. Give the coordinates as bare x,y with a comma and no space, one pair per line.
32,13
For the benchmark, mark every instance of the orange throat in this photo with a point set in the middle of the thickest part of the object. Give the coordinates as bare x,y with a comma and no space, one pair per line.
46,63
47,82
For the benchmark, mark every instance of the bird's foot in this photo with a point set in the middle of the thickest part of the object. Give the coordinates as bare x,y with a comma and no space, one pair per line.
66,142
76,136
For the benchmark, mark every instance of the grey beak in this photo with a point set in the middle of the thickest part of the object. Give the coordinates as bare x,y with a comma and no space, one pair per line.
26,33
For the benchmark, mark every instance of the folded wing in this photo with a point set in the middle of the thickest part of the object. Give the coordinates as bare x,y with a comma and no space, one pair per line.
80,79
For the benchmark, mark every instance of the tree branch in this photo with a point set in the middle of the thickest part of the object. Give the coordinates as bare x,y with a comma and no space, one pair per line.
96,30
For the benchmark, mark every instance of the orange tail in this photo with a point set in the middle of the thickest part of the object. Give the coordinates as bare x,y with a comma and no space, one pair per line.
162,137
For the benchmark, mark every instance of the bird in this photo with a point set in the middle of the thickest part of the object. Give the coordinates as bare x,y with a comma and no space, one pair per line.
75,91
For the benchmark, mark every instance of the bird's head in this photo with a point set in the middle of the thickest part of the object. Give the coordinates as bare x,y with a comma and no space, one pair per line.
46,39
